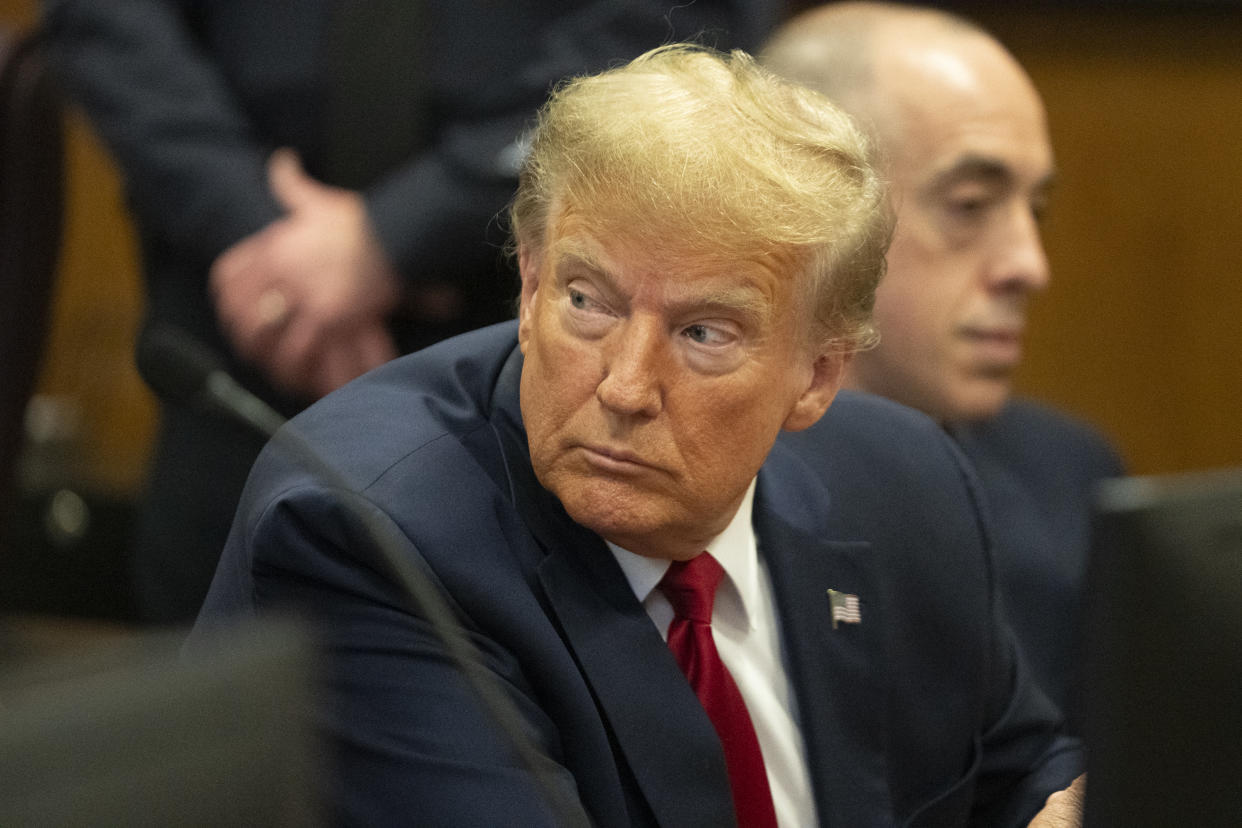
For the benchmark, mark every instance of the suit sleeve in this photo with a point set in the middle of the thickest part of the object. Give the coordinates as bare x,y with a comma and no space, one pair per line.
1025,753
1022,752
193,167
1026,756
406,736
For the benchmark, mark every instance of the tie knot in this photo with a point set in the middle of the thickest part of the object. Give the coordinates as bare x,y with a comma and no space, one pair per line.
690,587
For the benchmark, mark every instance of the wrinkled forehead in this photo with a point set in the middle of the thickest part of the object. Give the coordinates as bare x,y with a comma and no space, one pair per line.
764,287
612,240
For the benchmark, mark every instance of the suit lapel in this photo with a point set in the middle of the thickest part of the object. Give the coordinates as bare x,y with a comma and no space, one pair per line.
836,672
658,725
659,730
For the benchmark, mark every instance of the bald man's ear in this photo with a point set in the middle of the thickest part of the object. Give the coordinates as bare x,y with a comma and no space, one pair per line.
826,376
529,263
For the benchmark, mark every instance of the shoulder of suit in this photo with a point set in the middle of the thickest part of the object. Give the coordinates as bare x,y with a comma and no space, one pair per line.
865,434
1033,427
443,392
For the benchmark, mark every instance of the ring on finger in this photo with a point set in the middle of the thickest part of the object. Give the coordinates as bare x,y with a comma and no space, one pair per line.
272,307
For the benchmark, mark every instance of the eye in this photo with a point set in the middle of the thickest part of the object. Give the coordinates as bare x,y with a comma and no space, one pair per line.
584,312
967,208
710,335
969,201
714,347
581,301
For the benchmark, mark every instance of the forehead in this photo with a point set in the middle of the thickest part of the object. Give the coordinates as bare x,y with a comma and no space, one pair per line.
667,265
960,102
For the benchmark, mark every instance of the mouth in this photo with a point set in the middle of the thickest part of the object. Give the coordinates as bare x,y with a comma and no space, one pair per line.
613,459
997,346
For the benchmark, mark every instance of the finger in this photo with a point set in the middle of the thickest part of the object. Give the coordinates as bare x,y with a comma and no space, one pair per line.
254,326
342,359
365,346
375,345
290,379
290,184
229,270
239,277
254,341
290,358
231,293
338,363
349,354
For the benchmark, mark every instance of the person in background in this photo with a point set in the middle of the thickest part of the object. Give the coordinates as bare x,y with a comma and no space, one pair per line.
966,148
712,590
315,186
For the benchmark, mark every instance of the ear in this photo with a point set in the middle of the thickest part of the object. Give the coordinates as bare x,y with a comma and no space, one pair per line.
827,374
528,267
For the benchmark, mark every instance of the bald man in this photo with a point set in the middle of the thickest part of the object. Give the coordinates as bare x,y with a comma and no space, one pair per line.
965,141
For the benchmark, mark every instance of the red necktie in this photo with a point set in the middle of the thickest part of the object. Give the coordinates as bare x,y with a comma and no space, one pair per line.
691,588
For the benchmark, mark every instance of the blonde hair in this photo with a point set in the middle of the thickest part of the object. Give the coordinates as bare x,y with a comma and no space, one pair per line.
714,154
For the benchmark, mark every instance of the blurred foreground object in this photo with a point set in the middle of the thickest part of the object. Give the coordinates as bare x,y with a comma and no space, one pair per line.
1165,652
129,734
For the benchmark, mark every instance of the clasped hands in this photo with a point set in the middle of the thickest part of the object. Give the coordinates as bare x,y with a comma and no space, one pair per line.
305,299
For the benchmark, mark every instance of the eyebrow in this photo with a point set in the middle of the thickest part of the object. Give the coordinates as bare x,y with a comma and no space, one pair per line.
973,168
743,301
577,257
576,262
985,169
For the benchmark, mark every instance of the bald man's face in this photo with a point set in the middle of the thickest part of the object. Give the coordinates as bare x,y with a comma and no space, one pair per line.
971,166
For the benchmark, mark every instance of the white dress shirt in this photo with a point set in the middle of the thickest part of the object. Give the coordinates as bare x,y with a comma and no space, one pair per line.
747,635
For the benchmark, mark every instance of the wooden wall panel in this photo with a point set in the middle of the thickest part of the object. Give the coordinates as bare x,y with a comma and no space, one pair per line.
97,309
88,370
18,13
1141,330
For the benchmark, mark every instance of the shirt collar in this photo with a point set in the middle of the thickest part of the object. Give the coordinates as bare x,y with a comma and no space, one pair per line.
734,548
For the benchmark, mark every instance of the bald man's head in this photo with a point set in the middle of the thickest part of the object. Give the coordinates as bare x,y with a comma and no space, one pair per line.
836,49
963,136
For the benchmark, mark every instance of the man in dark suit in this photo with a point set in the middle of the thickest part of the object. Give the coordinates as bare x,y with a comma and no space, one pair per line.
375,235
970,165
698,244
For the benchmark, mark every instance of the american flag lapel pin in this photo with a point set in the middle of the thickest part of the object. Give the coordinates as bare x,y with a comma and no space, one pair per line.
844,608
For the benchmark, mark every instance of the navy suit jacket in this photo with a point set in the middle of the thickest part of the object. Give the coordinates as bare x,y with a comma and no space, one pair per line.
1038,470
919,715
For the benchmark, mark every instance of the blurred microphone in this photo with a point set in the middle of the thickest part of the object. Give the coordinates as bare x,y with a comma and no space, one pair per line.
182,370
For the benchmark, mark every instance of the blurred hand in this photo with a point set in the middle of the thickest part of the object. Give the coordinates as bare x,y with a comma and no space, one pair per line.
1064,808
306,297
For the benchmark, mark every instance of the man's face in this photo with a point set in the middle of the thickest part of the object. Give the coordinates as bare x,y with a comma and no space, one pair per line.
655,383
971,166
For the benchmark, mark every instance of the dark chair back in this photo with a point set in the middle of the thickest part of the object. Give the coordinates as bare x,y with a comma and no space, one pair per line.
31,208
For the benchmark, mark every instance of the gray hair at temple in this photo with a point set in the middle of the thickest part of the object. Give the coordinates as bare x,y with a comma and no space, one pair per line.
712,155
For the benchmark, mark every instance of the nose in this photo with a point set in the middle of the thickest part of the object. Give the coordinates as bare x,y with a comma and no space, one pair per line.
1019,263
632,365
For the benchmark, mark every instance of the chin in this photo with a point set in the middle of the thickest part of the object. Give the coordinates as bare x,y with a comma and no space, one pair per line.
606,507
639,522
979,404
